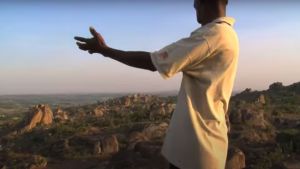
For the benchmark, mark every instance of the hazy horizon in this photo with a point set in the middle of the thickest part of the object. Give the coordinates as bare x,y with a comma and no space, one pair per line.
39,56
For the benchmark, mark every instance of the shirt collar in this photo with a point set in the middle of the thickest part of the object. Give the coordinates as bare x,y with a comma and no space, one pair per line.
229,20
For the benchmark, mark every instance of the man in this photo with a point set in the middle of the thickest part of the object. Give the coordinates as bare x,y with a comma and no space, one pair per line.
197,134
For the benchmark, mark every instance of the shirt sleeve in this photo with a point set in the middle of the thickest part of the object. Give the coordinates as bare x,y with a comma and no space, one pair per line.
179,55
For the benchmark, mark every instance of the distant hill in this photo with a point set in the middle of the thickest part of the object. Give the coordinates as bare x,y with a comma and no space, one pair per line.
276,93
127,132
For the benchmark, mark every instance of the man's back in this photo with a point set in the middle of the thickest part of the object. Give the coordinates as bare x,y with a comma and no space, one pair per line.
197,135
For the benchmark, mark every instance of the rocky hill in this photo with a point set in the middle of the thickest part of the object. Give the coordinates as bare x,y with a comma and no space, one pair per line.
266,126
127,133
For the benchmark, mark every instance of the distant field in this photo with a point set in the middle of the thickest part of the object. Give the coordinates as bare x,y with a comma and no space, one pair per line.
19,103
12,104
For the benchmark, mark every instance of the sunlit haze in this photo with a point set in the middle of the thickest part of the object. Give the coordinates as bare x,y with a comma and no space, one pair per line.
39,56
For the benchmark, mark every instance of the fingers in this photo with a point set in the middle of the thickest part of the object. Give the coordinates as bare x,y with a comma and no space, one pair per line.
98,36
94,32
85,47
91,44
101,40
81,39
82,46
91,51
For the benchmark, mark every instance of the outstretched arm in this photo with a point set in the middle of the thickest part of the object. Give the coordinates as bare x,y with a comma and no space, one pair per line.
96,44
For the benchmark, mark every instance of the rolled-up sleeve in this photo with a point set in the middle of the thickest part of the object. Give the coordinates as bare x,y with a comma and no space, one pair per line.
179,56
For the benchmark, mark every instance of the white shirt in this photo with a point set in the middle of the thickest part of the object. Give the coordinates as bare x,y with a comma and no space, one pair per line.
197,134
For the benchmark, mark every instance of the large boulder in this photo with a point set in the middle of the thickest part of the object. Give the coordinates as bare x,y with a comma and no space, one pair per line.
145,98
255,118
255,136
133,98
235,159
250,116
97,148
109,145
98,112
47,117
155,131
161,110
157,110
134,138
41,114
170,107
261,99
61,115
150,133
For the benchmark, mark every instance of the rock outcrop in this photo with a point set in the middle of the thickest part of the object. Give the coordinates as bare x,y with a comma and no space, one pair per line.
261,99
134,138
41,114
98,111
249,115
19,160
97,148
235,159
109,145
128,132
150,133
156,131
161,110
60,115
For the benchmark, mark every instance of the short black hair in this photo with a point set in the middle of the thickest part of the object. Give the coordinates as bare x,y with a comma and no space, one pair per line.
224,2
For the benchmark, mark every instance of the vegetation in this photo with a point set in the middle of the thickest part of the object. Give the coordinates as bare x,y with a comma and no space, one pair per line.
264,124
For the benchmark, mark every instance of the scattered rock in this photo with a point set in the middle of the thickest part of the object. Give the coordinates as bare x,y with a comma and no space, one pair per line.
126,101
170,108
235,159
160,110
261,99
254,136
156,131
20,161
97,148
134,138
109,145
92,131
255,118
61,115
98,111
251,116
235,116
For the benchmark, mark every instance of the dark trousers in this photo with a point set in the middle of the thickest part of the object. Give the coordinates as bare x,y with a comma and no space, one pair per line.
171,166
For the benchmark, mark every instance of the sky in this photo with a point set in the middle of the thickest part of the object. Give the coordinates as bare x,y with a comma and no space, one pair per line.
38,54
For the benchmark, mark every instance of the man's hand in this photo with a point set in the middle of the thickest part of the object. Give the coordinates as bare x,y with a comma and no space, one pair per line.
95,44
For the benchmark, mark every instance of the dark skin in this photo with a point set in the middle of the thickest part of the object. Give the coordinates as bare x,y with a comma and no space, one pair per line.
141,59
96,44
209,11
